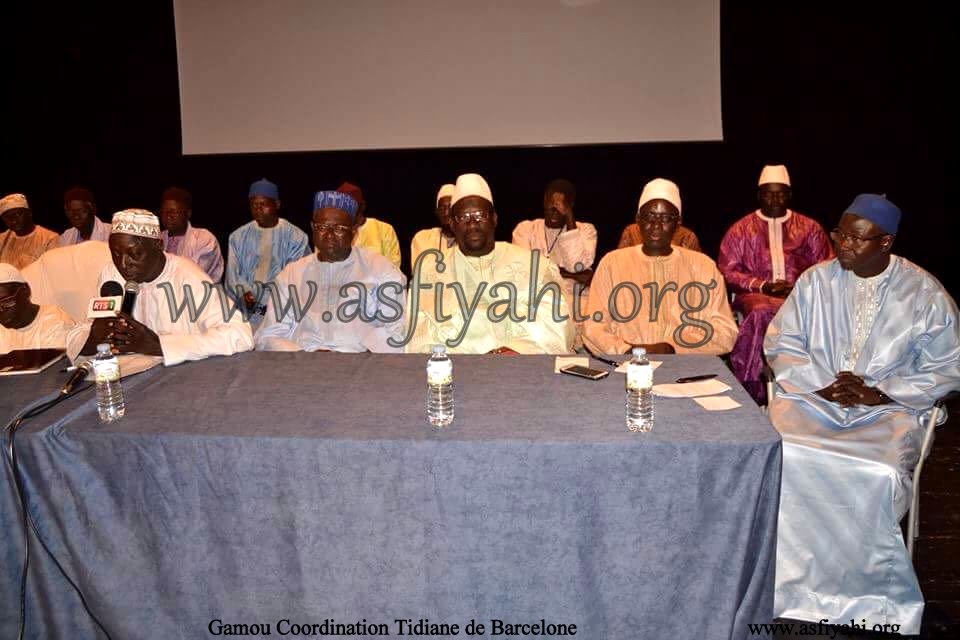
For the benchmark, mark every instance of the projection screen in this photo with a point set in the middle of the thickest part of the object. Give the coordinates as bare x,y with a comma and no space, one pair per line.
304,75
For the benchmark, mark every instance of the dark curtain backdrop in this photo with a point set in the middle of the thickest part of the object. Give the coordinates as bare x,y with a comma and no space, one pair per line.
850,96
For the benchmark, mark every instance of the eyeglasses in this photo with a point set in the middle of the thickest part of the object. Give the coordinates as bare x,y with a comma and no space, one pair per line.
336,229
662,218
10,301
842,237
466,216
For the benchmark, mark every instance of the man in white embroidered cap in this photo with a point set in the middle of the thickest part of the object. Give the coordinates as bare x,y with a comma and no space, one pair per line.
486,296
862,348
664,298
162,282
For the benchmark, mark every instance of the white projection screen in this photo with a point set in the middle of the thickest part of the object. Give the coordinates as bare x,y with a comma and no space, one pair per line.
311,75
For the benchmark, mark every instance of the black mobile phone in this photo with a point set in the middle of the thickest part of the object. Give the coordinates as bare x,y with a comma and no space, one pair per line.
584,372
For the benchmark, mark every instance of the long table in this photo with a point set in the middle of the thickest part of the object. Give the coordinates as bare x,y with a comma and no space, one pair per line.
309,487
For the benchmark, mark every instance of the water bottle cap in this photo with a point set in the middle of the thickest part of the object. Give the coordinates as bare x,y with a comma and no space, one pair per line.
439,348
103,347
639,351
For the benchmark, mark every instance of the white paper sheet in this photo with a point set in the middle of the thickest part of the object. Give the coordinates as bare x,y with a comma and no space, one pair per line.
717,403
690,389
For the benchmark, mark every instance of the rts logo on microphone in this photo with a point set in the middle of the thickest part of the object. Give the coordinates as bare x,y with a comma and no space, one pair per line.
104,305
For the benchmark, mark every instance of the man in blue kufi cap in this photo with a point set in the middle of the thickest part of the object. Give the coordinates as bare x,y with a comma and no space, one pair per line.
861,350
260,249
348,298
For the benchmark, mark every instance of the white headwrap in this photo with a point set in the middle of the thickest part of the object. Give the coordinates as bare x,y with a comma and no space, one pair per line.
774,173
136,222
471,184
9,273
445,191
660,189
13,201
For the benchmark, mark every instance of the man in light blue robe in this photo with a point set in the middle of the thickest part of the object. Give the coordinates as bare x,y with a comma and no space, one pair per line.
260,249
862,349
341,298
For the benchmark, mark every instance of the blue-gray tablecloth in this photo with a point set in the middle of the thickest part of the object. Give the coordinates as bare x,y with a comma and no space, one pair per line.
310,487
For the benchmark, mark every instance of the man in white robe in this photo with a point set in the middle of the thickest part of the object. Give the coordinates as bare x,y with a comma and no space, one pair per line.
662,297
24,241
570,243
485,303
862,349
440,238
167,284
81,211
24,324
183,239
67,276
306,310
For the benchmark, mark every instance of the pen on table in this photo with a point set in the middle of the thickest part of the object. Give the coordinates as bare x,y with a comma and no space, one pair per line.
613,363
68,369
705,376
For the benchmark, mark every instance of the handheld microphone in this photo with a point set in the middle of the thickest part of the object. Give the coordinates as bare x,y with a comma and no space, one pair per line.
110,288
79,375
130,291
108,302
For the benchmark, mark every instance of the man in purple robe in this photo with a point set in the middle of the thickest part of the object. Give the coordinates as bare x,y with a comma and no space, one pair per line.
761,256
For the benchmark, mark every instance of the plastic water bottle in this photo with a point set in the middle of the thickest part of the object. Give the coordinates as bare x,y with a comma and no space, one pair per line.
639,392
106,369
439,388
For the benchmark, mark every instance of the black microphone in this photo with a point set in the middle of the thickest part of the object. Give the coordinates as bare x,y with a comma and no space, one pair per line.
110,288
130,291
79,375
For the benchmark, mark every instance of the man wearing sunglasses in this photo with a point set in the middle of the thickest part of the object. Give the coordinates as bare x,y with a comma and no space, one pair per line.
23,324
761,256
861,349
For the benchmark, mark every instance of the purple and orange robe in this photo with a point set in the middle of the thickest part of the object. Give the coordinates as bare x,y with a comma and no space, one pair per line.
758,249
